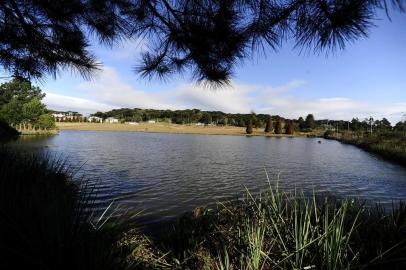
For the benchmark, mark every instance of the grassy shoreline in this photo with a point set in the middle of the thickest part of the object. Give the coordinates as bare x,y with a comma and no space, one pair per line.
389,146
169,128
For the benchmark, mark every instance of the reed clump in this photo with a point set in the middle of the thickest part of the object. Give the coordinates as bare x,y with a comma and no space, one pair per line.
287,230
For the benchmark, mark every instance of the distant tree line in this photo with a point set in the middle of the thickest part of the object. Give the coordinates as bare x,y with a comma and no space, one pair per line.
370,125
191,116
270,123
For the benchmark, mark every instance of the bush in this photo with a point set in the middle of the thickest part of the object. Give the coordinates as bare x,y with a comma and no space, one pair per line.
328,134
46,121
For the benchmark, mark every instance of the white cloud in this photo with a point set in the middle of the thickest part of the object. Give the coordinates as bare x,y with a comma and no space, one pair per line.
124,50
228,99
66,103
109,91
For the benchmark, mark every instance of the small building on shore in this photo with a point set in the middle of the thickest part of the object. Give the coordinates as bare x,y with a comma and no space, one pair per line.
94,119
111,120
151,122
68,116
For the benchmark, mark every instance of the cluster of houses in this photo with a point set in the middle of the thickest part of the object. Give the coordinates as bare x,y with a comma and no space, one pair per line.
70,116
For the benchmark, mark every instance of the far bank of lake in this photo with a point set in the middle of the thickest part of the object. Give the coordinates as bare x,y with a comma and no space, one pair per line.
167,128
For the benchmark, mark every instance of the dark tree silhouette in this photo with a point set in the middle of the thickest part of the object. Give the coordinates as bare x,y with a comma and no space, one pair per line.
290,129
207,37
301,122
278,126
268,127
249,127
310,122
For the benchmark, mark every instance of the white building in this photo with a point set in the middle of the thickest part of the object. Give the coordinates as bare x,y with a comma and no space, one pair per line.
94,119
151,122
67,116
58,115
111,120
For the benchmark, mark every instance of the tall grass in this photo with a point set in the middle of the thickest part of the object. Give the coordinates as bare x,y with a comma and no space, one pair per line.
286,230
45,222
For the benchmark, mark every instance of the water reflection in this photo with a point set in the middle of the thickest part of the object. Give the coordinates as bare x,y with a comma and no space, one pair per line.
167,174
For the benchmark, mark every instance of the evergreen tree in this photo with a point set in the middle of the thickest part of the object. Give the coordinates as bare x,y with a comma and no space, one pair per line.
20,102
32,110
302,124
268,127
278,126
290,129
310,122
19,89
249,127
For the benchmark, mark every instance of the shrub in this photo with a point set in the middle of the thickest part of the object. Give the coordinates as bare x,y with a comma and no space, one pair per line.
328,134
46,121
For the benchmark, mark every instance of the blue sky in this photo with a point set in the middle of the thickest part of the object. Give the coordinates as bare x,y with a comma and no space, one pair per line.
368,78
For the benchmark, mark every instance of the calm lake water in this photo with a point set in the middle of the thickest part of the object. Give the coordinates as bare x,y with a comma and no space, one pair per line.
167,174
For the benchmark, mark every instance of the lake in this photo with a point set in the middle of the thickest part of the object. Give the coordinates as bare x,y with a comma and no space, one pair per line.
165,175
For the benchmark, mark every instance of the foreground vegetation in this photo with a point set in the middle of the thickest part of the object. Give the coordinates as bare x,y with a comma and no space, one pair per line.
46,223
6,132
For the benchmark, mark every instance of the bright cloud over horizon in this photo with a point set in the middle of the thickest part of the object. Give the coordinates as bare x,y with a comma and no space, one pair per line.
109,91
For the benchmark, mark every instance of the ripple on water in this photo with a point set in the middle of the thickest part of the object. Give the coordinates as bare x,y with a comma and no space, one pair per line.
166,174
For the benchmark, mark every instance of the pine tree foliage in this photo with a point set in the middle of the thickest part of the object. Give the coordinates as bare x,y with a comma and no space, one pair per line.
268,127
205,38
290,129
249,127
278,126
310,121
